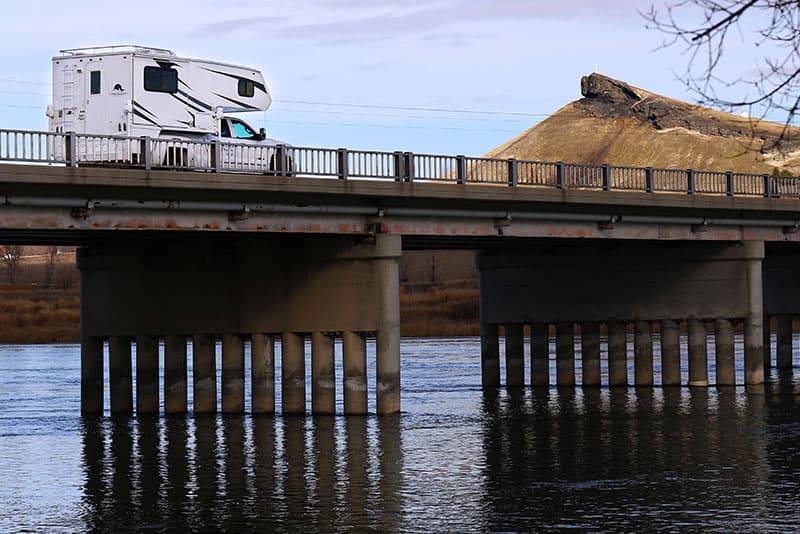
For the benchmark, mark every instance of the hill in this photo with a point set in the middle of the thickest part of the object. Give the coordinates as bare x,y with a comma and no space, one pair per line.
620,124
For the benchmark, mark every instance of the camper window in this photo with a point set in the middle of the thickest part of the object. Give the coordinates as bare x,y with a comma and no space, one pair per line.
246,88
95,82
161,79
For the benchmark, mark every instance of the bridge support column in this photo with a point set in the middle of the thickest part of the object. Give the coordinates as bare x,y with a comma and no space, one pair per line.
387,342
176,374
354,353
754,321
232,374
670,353
515,355
698,353
323,375
617,354
565,354
724,349
293,373
767,346
540,355
590,353
147,398
784,342
119,372
643,354
262,374
490,356
204,365
91,374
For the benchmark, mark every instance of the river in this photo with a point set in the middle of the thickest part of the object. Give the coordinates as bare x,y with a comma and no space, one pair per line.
457,459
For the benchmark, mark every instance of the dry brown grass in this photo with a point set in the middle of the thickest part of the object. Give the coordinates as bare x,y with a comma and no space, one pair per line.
440,311
39,316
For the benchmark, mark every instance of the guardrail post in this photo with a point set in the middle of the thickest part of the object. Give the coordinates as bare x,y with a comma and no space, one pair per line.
729,183
409,166
146,152
461,169
71,149
399,166
690,182
342,163
767,185
648,179
606,177
216,155
280,160
512,172
560,175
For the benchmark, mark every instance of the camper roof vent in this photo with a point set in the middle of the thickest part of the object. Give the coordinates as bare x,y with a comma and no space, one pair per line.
117,48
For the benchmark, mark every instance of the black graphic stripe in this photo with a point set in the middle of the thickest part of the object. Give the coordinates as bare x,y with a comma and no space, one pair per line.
138,105
141,115
196,101
240,78
238,103
187,103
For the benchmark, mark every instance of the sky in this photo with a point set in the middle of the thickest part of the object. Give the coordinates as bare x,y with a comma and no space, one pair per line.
435,76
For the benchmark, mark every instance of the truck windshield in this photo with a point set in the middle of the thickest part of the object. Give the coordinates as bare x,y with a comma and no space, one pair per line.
242,131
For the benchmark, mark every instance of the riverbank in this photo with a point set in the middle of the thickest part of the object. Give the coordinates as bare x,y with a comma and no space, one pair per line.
29,314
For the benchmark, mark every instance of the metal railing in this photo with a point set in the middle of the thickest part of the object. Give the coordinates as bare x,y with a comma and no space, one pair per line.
74,150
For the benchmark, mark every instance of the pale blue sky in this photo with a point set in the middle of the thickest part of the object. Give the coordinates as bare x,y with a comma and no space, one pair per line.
516,56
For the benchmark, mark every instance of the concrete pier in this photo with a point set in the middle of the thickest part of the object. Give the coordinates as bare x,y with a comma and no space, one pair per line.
232,374
698,353
147,397
617,354
120,379
754,318
565,354
767,346
670,353
262,375
515,356
490,355
387,342
724,349
354,353
590,353
643,353
175,374
204,373
293,369
91,374
784,341
540,355
323,376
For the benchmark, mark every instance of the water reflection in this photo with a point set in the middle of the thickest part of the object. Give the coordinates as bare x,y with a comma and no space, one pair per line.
242,473
634,459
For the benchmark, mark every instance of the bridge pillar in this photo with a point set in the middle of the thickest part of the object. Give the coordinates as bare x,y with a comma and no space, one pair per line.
147,397
262,374
698,353
119,374
204,379
565,354
617,354
293,373
670,353
784,357
354,353
590,353
724,351
91,374
490,355
266,285
540,355
643,354
323,376
515,355
175,374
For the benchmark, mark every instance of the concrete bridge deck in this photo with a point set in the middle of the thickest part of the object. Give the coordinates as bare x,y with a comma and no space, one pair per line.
174,251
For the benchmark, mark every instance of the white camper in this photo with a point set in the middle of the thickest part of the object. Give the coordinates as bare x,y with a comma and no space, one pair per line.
139,92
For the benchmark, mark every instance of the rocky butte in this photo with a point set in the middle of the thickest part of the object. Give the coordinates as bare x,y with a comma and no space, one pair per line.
619,124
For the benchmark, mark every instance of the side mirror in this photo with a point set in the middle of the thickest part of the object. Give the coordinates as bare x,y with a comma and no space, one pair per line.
262,133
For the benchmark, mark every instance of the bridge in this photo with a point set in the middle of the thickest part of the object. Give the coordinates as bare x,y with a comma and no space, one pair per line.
188,243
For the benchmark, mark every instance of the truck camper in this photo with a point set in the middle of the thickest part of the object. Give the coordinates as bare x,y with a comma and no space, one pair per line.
181,105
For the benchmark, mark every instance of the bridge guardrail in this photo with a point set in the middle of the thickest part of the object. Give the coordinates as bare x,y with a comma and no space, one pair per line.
85,149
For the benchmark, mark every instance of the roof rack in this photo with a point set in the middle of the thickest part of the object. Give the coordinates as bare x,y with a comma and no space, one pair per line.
116,48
